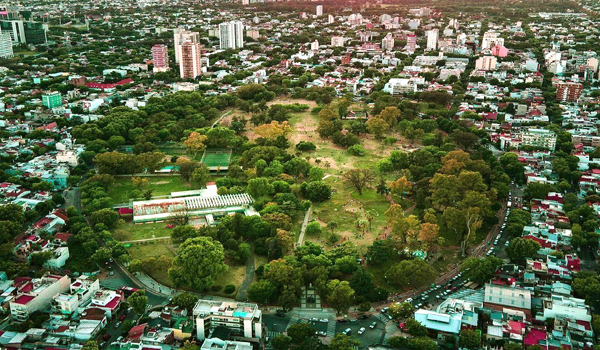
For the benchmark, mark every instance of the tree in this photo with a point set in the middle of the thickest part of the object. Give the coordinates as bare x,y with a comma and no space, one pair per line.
313,228
316,191
415,328
299,332
106,216
414,273
186,168
377,127
281,342
139,182
40,258
90,345
390,115
519,249
261,291
359,178
135,266
401,310
198,263
195,142
429,235
200,176
470,339
288,298
343,342
481,270
340,295
138,301
273,130
401,186
185,300
259,187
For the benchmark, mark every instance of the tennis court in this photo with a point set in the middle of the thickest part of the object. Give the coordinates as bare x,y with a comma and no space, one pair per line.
217,158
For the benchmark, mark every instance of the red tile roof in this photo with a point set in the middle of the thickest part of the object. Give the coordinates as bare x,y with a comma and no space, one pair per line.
24,299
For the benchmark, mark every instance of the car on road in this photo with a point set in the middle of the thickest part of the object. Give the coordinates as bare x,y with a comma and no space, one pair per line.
280,313
321,333
409,300
384,310
314,319
496,241
106,336
347,331
361,330
324,320
373,325
112,273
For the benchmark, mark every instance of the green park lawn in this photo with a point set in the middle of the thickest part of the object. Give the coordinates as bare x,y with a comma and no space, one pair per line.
234,276
163,185
127,231
154,250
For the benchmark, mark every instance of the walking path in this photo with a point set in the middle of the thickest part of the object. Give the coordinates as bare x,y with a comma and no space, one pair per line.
221,118
242,294
303,229
147,240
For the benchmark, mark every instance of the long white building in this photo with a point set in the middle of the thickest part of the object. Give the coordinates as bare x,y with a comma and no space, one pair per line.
244,320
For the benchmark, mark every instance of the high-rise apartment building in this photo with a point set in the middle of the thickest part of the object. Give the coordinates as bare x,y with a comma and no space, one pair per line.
190,65
181,35
491,39
432,39
231,35
6,46
160,58
319,10
411,42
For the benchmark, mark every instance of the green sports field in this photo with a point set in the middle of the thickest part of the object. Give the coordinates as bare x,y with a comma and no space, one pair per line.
217,158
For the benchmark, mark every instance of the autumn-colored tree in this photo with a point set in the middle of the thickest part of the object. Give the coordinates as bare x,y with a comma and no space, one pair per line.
404,227
139,182
390,115
195,142
377,127
429,235
327,114
285,241
401,186
273,130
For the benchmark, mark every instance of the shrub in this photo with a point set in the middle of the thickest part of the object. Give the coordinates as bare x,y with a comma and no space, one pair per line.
230,288
356,150
305,146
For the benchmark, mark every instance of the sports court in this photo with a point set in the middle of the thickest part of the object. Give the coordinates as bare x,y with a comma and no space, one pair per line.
217,159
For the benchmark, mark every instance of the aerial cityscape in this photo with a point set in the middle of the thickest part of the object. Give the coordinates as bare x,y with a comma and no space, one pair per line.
299,175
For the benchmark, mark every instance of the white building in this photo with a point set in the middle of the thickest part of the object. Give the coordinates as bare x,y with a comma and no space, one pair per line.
6,46
243,319
432,39
314,46
231,35
36,295
218,344
319,10
337,41
330,19
387,43
400,85
562,306
540,138
491,39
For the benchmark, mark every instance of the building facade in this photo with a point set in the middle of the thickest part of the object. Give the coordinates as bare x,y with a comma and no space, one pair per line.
6,46
568,91
52,99
244,320
231,35
432,39
160,58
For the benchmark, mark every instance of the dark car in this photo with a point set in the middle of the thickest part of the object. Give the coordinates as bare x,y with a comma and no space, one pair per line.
363,317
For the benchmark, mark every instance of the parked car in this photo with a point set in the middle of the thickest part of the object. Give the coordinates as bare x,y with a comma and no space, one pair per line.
324,320
347,331
361,330
118,324
321,333
373,325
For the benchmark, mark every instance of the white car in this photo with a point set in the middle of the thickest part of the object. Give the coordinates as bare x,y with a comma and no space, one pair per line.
361,330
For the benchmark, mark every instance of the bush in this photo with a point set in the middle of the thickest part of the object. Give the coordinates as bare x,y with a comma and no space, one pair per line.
356,150
313,228
305,146
230,288
215,288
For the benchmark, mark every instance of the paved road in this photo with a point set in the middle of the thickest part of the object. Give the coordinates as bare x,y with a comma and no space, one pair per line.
73,198
248,279
120,279
303,229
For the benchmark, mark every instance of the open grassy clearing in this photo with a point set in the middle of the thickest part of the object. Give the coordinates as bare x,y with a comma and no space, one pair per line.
234,276
121,190
155,250
127,231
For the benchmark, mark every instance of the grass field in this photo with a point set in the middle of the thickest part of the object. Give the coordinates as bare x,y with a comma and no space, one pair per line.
216,157
154,250
129,232
123,187
235,276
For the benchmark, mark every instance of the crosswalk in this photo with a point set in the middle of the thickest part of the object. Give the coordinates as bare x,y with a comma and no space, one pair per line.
383,318
331,329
